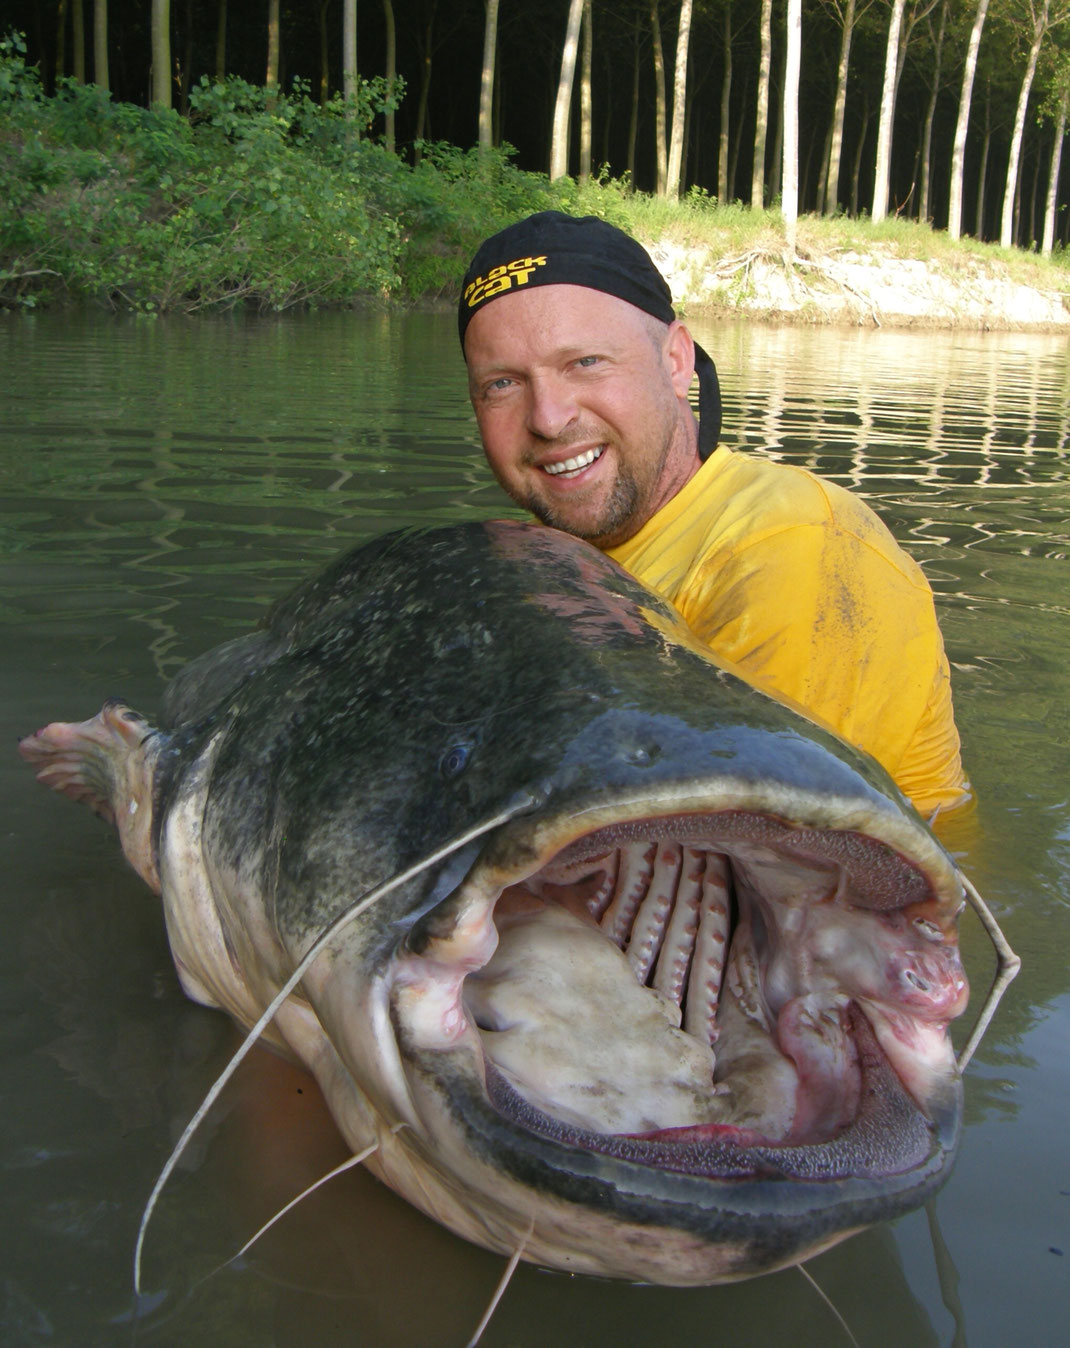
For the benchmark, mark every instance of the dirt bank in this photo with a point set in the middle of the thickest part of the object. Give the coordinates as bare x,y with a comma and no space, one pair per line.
874,287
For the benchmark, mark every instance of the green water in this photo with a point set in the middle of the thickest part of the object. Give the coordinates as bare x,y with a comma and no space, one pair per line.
160,482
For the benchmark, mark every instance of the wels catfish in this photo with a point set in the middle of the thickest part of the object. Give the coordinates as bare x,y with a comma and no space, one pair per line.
653,975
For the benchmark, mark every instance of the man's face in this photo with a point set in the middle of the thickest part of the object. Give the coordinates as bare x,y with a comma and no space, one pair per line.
581,400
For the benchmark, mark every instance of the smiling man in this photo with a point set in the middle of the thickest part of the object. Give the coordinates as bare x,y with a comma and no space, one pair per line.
579,373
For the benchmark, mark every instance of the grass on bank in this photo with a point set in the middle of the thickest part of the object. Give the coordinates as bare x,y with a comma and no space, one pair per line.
276,202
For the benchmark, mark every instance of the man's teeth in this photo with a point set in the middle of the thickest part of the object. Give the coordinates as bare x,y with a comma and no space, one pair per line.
571,466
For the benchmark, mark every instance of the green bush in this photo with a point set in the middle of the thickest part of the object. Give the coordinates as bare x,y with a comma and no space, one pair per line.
253,199
268,199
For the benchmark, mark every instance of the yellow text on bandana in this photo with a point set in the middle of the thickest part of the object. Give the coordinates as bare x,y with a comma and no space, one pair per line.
499,279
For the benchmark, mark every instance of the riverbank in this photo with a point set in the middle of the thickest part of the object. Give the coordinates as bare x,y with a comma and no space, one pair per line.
269,202
867,283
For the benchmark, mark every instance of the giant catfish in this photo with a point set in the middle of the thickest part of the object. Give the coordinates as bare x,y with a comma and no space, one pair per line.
655,974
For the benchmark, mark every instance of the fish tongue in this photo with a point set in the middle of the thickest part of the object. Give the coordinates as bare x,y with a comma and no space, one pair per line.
814,1034
564,1019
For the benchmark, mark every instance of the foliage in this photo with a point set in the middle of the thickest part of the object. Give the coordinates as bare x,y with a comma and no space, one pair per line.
254,199
270,199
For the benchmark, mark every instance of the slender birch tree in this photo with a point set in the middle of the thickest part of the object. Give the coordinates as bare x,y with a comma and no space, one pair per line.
78,42
761,128
930,112
882,169
61,37
958,152
789,195
586,129
325,52
723,185
221,41
1039,17
391,73
661,162
161,54
100,43
271,79
349,60
847,14
559,139
674,171
633,119
1062,108
486,88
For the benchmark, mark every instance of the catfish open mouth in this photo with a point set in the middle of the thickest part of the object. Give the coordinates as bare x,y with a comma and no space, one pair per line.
721,993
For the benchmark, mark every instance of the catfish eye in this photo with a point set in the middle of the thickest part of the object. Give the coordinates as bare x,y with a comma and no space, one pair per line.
454,760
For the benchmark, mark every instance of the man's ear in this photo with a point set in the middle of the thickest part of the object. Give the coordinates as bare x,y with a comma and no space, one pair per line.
680,354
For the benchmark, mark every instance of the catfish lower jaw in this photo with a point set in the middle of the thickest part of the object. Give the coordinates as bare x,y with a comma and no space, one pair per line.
889,1136
579,1021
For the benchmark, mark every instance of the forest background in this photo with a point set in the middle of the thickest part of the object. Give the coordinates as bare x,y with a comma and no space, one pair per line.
198,153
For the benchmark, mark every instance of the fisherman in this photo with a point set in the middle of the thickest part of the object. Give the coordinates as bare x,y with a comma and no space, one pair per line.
579,373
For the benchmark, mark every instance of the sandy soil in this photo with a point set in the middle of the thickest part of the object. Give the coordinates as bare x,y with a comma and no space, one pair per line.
873,289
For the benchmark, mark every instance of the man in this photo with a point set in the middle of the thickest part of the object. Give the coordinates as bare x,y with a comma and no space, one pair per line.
579,374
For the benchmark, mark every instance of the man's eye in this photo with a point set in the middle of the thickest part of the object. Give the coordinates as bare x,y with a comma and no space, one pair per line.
496,385
585,362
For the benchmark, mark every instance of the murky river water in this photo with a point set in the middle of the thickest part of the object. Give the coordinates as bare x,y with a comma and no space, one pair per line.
159,484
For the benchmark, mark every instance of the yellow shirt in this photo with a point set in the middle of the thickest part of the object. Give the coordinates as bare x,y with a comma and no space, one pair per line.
797,582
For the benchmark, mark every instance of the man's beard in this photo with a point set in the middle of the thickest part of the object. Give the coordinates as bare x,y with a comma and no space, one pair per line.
614,525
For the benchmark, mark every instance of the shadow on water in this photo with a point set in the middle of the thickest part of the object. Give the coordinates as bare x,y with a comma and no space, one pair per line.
160,483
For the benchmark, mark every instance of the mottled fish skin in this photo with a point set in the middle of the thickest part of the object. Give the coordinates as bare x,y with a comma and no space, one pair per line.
403,693
399,698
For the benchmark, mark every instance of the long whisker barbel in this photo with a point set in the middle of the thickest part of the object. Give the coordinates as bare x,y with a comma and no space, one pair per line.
1007,966
519,805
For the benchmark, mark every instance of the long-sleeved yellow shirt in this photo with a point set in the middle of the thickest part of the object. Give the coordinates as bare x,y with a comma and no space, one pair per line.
798,583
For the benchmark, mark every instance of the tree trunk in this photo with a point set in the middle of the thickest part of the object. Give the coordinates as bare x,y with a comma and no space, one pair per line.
161,54
823,171
1033,195
633,121
660,118
325,55
674,171
186,63
349,60
486,88
559,138
831,198
1040,27
585,94
982,180
930,115
61,39
856,167
221,42
496,127
271,78
790,174
958,153
100,43
776,157
1048,241
887,115
736,140
425,93
78,42
723,188
391,72
761,129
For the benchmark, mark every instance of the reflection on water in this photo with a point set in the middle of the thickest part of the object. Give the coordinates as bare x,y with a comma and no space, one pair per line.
160,483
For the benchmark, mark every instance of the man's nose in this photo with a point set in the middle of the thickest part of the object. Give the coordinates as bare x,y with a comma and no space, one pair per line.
551,407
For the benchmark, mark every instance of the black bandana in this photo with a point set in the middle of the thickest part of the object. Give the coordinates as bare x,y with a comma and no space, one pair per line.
554,249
